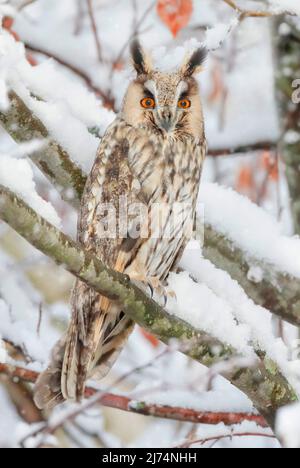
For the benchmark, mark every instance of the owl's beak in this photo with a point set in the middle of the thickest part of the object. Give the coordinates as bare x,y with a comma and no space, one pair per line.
165,118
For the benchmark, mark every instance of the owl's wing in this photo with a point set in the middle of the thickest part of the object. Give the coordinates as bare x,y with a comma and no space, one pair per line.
99,328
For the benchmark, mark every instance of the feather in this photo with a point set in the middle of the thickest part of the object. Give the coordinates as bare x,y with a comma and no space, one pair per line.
149,168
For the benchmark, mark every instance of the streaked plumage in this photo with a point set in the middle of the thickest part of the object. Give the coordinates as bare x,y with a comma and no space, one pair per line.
151,156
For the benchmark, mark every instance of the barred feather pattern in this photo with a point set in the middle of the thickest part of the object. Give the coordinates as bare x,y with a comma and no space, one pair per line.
159,172
147,170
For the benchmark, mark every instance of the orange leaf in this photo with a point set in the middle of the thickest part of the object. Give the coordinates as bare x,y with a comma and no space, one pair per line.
7,22
31,60
175,13
118,66
217,84
270,165
154,341
245,178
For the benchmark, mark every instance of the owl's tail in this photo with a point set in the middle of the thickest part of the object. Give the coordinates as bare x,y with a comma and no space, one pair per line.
88,350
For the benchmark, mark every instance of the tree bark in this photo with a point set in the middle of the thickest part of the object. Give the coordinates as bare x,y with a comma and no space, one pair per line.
278,292
51,159
263,383
288,70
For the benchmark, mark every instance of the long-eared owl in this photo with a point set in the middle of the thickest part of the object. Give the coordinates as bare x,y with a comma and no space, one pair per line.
150,158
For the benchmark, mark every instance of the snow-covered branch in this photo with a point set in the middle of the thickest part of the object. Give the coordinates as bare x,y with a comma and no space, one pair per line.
267,286
276,7
277,290
128,404
261,381
51,159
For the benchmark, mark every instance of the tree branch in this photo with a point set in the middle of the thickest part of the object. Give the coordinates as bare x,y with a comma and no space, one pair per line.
94,29
277,292
263,383
251,13
107,100
51,159
259,146
216,439
287,85
125,403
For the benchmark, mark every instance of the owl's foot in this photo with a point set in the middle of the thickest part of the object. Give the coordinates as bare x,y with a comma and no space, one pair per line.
155,286
153,282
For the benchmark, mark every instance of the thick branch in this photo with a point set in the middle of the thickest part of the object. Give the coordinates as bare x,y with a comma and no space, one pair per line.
125,403
51,159
277,292
288,74
263,383
250,148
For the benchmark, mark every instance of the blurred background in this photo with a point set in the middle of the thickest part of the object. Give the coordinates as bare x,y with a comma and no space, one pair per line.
253,135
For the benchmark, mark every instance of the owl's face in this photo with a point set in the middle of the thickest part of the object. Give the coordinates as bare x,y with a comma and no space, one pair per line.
168,103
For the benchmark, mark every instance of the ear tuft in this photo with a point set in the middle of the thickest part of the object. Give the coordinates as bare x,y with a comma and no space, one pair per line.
139,58
193,64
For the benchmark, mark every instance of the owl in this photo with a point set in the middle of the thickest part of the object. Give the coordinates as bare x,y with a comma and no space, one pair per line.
137,214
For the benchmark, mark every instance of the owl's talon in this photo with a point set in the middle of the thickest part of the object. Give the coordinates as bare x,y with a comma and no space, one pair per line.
151,290
165,300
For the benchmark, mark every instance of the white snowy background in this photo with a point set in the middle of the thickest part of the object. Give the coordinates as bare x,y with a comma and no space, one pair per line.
237,86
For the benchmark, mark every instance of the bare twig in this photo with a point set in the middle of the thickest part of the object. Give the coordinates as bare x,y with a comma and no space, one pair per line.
107,101
39,323
226,436
135,32
25,4
249,13
243,149
128,404
79,18
94,29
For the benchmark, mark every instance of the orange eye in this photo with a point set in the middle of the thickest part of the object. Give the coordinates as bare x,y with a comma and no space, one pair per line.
184,103
148,103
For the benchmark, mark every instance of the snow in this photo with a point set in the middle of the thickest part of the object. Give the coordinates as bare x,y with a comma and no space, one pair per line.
9,421
64,105
17,175
199,306
282,6
221,431
288,426
216,304
3,353
256,321
251,228
216,36
214,400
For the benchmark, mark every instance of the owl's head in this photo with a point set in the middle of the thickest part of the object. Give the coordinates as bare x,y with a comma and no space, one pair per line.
165,102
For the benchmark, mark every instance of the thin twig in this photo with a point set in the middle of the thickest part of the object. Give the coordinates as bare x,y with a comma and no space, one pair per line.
107,101
125,403
227,436
79,18
94,29
39,323
248,13
25,4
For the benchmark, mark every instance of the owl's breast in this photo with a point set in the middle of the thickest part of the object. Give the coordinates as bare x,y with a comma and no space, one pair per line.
166,168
